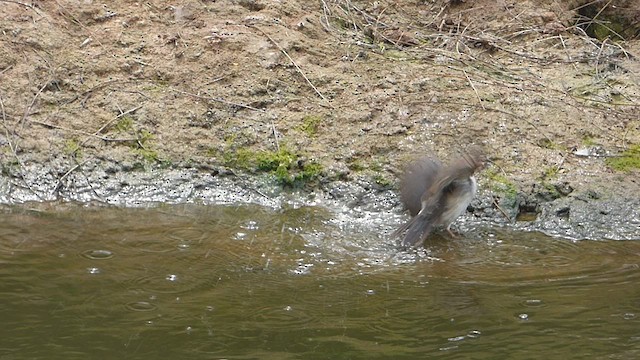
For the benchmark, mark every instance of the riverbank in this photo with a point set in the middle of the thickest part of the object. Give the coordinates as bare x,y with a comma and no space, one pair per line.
278,102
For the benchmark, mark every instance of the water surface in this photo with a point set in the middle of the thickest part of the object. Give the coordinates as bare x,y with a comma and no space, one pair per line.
249,282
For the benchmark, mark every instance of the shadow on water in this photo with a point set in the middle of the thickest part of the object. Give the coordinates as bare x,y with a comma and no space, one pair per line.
250,282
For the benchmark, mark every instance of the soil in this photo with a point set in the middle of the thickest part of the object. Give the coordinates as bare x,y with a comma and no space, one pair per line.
356,87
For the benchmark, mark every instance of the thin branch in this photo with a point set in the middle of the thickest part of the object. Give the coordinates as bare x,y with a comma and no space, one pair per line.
88,93
474,89
6,69
14,151
220,100
275,135
116,118
495,203
33,101
21,3
56,189
600,53
104,138
292,61
108,123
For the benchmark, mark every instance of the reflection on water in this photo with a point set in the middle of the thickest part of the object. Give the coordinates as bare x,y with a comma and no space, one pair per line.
250,282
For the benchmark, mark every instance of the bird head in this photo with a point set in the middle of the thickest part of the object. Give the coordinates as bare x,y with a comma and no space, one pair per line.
475,157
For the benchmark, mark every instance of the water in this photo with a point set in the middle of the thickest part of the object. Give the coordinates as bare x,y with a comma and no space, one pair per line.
248,282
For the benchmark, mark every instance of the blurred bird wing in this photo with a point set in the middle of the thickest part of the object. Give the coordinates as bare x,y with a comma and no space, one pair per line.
418,177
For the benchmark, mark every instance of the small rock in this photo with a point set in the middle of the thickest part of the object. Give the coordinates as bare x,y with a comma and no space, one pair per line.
563,212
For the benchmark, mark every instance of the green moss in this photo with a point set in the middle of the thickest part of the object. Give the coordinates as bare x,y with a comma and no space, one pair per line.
230,139
501,184
288,168
311,171
375,166
629,160
125,124
612,30
382,180
589,139
275,160
356,165
148,155
310,125
144,137
72,148
550,173
242,158
144,148
10,168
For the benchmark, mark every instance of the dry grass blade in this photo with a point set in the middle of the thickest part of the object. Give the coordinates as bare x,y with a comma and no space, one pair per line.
33,101
292,61
220,100
108,123
103,138
14,151
56,189
474,89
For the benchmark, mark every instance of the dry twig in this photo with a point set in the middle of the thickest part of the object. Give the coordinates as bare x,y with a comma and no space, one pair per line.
474,89
104,138
220,100
292,61
14,150
495,203
33,101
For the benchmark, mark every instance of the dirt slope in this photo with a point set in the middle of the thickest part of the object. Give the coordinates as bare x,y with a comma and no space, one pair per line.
353,87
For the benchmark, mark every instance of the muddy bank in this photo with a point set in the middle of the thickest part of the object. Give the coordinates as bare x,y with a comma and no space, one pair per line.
578,215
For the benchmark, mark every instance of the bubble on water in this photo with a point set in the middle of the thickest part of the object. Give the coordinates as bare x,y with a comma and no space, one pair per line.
523,316
371,292
302,269
140,306
172,277
183,246
93,270
533,303
251,225
288,308
474,334
97,254
629,316
447,348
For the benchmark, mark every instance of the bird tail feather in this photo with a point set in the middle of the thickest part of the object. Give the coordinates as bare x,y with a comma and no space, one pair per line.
417,231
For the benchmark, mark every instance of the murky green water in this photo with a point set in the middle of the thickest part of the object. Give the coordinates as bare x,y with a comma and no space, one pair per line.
222,282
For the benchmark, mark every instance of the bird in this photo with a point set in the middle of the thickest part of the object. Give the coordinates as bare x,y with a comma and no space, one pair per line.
436,194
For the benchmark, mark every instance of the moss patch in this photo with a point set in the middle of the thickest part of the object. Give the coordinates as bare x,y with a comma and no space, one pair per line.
288,168
72,148
629,160
310,125
125,124
500,184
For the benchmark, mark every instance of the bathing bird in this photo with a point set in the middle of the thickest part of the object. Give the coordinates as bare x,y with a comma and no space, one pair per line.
436,194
